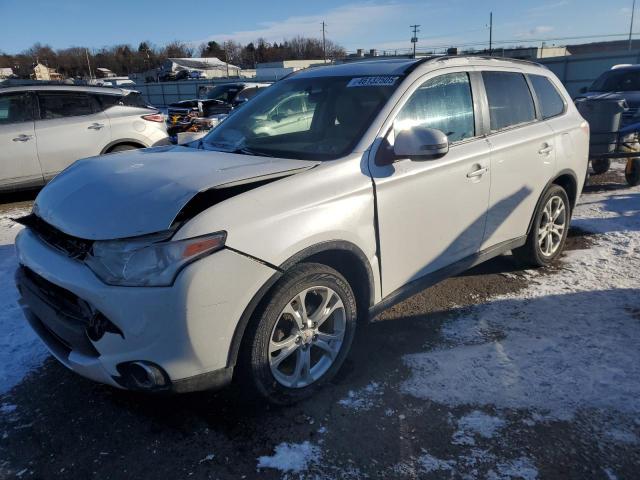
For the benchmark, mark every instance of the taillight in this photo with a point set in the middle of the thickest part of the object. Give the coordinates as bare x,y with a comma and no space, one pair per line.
585,127
154,117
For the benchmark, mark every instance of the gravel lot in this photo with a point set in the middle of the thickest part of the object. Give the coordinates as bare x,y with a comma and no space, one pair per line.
499,373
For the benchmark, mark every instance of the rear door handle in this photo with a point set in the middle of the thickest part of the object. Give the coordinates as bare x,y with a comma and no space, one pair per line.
23,138
95,126
477,173
546,149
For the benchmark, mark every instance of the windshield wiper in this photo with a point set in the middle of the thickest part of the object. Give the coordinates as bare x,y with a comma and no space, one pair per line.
250,151
219,147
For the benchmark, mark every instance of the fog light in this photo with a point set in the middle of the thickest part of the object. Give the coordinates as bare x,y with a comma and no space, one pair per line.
141,375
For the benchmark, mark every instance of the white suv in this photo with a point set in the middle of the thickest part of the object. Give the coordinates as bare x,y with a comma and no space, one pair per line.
44,129
252,254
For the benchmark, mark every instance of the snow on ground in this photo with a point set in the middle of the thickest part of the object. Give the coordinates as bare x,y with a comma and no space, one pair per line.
292,457
476,423
363,399
20,350
565,348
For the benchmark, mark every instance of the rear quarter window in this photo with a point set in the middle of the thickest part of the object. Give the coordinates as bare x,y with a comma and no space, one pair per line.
510,100
134,99
549,99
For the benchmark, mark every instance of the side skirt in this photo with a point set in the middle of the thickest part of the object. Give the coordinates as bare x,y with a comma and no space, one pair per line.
432,278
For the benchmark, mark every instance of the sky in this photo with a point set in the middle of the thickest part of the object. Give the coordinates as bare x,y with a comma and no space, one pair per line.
380,24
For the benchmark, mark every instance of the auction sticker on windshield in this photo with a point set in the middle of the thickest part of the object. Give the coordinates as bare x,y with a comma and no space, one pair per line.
379,81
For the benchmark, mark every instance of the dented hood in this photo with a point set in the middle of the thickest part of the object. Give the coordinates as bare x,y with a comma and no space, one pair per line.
141,191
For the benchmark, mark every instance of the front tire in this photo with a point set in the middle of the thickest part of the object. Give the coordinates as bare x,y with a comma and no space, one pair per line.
548,234
301,336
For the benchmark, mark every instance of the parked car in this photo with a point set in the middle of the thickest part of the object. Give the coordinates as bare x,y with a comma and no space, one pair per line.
219,101
44,129
620,82
252,254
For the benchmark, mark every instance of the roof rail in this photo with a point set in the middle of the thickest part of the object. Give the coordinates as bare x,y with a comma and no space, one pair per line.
440,58
421,61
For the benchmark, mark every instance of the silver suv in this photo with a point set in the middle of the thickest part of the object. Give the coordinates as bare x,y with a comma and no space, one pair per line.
43,129
253,251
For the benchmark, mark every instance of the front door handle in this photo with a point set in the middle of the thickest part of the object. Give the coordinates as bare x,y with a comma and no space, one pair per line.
477,173
546,149
23,138
95,126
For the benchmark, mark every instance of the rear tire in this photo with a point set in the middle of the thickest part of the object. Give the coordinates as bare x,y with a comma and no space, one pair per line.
548,234
632,172
601,165
289,351
123,148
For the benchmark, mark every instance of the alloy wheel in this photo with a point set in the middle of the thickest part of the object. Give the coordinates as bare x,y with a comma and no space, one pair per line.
552,225
307,337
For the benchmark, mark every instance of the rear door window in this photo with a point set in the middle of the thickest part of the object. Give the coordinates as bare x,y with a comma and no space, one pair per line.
65,104
549,99
510,100
15,108
444,103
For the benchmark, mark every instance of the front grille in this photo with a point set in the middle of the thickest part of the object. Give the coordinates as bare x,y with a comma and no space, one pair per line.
74,247
65,317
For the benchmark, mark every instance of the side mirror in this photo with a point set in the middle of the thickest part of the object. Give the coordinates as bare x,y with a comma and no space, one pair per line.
420,143
583,90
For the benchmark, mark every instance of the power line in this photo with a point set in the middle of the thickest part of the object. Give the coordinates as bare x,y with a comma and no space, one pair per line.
633,11
491,33
324,45
414,38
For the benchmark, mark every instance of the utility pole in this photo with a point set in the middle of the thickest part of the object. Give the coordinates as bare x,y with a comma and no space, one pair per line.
491,33
86,51
414,38
324,44
633,11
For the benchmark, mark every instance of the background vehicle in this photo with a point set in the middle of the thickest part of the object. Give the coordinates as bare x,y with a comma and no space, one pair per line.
618,91
43,129
254,252
218,101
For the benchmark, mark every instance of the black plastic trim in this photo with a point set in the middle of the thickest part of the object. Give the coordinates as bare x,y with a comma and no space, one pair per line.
215,380
432,278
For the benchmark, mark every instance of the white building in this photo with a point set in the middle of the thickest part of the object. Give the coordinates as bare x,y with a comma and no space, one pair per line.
210,67
276,70
6,72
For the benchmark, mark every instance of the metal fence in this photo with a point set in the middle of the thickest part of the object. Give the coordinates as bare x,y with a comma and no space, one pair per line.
163,93
577,71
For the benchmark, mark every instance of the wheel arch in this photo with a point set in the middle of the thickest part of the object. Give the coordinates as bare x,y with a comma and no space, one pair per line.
122,141
345,257
566,179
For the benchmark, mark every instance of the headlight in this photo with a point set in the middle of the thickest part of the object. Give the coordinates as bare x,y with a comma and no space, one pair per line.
149,261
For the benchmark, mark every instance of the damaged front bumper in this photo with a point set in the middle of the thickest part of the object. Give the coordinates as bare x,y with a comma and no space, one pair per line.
178,336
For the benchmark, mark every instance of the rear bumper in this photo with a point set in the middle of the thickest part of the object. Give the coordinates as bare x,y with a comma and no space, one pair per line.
94,329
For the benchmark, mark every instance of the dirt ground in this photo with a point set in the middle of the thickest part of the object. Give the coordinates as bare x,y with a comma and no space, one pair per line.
68,427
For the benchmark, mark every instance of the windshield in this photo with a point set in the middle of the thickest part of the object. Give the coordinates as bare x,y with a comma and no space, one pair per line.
306,118
617,81
224,93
